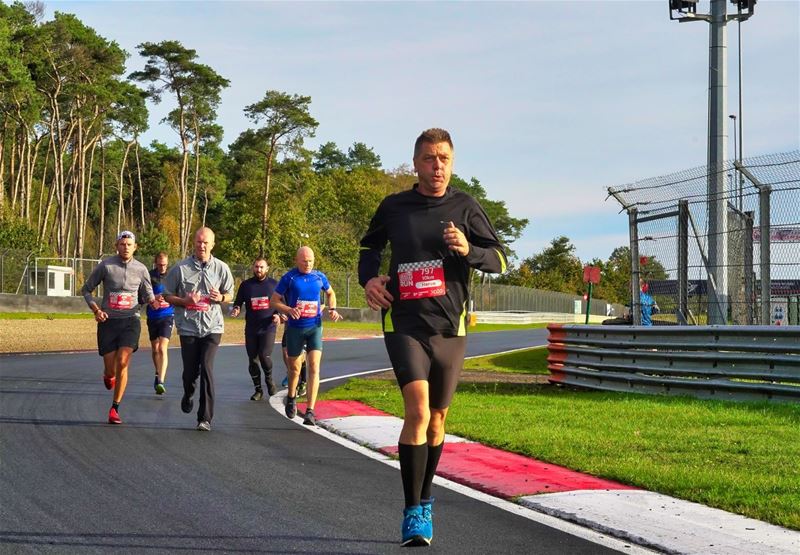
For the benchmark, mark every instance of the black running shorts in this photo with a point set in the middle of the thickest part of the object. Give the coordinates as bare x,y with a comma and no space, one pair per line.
161,327
436,359
118,332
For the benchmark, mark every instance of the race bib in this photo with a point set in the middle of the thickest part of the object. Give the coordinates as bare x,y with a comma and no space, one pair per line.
308,309
202,305
419,280
120,301
259,303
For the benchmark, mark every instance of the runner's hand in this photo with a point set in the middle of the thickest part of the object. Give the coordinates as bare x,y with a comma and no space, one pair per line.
455,239
100,316
155,304
235,312
276,319
294,313
334,315
377,295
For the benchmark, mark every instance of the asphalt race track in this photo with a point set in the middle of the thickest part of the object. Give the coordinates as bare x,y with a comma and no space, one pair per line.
257,483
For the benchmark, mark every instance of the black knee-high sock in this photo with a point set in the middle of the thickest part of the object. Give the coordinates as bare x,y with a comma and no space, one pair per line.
413,459
434,453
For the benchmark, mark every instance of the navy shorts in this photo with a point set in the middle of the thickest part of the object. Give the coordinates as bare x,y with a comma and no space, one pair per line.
115,333
160,328
297,338
436,359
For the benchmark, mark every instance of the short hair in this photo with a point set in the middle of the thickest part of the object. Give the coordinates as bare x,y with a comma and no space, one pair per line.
259,259
160,254
433,135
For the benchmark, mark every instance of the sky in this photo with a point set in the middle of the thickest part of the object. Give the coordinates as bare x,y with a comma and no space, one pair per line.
548,102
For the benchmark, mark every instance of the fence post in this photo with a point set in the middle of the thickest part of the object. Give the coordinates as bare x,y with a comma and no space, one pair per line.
683,262
633,231
347,289
748,267
764,262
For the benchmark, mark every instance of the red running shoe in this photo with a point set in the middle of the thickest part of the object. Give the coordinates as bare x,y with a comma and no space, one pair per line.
113,416
109,382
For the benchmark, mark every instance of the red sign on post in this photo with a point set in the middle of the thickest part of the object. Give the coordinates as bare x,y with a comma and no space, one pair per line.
591,274
643,260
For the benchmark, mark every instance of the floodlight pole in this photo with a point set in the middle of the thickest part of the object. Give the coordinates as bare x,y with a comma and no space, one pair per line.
717,147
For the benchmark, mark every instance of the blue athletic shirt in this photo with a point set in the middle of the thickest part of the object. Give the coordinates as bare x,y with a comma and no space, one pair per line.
158,289
301,290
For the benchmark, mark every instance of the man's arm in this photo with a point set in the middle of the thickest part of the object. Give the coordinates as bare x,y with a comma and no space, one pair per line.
91,283
277,302
332,312
485,252
369,263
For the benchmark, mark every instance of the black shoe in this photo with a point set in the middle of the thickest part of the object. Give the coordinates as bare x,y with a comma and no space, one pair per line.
186,404
257,396
270,387
291,407
301,389
309,419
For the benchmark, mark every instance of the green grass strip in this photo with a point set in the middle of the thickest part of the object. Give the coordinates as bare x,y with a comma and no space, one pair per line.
526,361
45,316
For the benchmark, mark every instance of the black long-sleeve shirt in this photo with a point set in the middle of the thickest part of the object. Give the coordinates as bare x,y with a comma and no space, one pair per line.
256,295
429,282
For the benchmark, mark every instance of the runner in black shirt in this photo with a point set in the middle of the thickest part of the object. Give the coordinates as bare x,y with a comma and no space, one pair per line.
261,322
437,235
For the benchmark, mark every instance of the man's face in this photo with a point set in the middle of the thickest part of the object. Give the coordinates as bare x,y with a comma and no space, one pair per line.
260,269
203,243
161,264
305,260
434,166
125,248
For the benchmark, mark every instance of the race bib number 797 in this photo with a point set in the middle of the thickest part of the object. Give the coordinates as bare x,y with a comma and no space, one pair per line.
419,280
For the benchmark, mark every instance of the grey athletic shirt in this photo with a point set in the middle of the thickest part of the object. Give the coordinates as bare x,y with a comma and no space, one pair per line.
124,283
204,317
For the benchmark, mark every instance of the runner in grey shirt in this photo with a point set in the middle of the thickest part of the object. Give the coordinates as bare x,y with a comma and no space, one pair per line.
125,280
196,287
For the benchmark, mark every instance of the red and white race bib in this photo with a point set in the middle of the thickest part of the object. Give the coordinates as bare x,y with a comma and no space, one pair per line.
259,303
203,304
120,301
419,280
308,309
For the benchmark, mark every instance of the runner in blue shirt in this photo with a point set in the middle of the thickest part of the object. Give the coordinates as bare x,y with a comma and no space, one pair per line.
261,323
298,296
160,322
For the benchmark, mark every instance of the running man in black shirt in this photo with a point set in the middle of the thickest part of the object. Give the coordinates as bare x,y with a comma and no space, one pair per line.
261,322
437,235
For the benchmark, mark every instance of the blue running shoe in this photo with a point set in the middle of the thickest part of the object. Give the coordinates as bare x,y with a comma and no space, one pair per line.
285,382
427,514
415,530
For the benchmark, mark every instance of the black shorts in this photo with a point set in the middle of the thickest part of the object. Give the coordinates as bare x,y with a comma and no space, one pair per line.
161,327
118,332
435,359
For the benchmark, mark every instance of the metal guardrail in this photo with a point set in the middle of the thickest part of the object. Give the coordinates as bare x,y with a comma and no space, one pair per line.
711,362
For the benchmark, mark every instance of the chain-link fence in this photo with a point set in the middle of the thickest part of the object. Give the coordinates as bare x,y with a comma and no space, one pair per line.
718,247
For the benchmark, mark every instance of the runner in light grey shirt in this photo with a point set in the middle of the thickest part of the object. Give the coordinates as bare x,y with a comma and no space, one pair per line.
125,280
196,287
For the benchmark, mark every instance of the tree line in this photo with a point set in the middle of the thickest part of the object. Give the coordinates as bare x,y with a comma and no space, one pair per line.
73,171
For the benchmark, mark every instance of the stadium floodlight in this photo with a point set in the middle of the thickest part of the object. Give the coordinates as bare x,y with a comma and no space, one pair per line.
686,10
